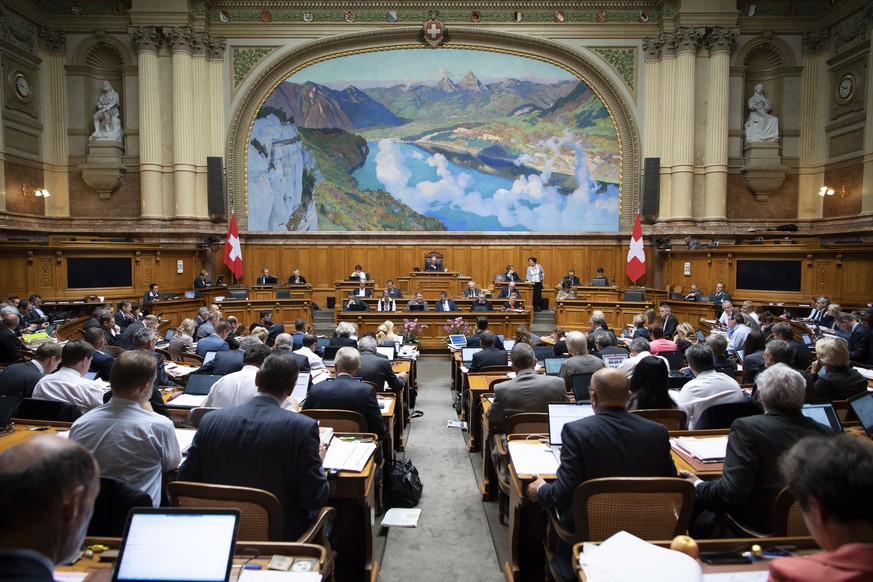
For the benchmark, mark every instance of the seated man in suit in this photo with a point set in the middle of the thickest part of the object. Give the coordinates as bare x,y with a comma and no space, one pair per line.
570,278
473,341
860,338
214,342
354,303
208,327
445,304
145,339
719,295
513,303
490,355
612,443
481,304
239,387
284,342
417,304
600,278
363,290
124,316
152,295
471,292
837,510
580,362
10,345
260,445
307,349
708,387
100,362
507,290
376,368
40,530
266,278
346,393
802,355
670,321
695,294
751,480
299,331
20,379
69,383
125,340
433,264
230,361
511,275
131,443
393,292
296,278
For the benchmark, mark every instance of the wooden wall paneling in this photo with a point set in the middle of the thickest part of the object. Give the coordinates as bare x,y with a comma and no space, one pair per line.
855,273
16,272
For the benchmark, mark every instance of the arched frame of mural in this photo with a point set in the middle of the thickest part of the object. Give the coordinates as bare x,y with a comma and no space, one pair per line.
265,81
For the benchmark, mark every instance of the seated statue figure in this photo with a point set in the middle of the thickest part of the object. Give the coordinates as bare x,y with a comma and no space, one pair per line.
107,123
761,125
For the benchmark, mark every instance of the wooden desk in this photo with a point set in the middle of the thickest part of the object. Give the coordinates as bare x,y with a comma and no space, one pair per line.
249,310
389,415
175,310
430,283
71,329
478,385
522,288
22,431
576,313
268,292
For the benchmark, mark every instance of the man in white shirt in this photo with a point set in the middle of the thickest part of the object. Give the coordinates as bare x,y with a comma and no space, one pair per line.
726,309
738,331
239,387
69,384
707,388
131,444
309,343
639,349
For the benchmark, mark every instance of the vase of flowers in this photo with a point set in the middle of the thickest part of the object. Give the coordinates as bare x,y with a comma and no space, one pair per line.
412,331
456,326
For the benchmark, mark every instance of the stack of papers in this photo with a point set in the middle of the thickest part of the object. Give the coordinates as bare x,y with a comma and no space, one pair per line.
185,436
706,450
609,561
401,517
532,458
348,456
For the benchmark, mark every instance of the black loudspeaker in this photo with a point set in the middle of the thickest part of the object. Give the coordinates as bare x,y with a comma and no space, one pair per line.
215,188
651,198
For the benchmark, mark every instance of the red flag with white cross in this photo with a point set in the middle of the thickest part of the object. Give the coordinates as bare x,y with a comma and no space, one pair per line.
636,255
232,249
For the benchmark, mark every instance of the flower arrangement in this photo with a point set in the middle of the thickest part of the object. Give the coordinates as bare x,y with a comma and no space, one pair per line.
412,330
456,326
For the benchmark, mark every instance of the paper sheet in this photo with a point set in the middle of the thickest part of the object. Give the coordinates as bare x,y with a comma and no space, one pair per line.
609,562
704,449
185,436
348,456
531,458
401,517
187,401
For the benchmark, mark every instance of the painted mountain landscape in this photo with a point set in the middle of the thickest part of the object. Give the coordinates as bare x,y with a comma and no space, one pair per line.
430,140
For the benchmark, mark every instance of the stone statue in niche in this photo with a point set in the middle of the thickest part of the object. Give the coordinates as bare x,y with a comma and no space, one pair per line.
761,125
107,123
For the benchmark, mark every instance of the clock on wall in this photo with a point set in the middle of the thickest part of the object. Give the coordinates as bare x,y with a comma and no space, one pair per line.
22,87
845,89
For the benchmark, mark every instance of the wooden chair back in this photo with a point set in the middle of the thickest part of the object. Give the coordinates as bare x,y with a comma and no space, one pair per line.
191,359
113,351
260,511
195,415
528,423
787,517
338,420
672,419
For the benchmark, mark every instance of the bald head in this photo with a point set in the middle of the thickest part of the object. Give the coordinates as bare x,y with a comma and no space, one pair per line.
609,388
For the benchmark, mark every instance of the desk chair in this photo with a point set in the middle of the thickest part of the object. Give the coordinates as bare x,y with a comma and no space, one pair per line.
191,359
113,503
723,415
195,415
338,420
672,419
113,351
787,519
283,294
165,354
844,412
527,423
580,385
238,294
675,359
651,508
498,369
35,409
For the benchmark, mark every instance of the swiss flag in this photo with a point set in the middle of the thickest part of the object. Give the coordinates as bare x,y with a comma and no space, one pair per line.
233,251
636,255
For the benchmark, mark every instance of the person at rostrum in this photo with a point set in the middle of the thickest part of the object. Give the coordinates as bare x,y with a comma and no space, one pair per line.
750,480
612,443
131,444
48,486
831,478
434,263
260,445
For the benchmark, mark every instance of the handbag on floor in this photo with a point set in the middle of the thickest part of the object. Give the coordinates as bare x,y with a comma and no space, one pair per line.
402,484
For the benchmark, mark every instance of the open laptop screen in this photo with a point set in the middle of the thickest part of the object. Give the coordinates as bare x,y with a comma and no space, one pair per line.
458,340
823,414
614,360
467,354
553,365
862,404
386,351
205,555
199,384
560,413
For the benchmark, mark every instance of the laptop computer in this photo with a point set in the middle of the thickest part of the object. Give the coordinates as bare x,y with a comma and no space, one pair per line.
323,342
89,375
415,307
199,384
614,360
219,280
330,354
209,356
560,413
508,344
387,352
467,355
862,404
8,404
700,336
165,341
553,365
824,414
457,341
581,385
207,555
301,388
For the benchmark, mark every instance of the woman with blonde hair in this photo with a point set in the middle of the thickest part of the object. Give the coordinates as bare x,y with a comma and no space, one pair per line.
639,324
260,332
182,341
836,379
685,336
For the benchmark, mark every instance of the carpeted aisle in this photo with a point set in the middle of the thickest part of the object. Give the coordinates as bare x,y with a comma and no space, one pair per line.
453,540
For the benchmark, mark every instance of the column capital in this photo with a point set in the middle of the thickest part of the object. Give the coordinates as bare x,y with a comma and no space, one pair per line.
721,39
52,41
181,38
814,42
688,39
669,44
652,49
199,43
215,48
145,38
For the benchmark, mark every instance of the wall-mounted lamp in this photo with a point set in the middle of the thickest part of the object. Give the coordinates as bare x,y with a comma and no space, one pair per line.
828,191
34,191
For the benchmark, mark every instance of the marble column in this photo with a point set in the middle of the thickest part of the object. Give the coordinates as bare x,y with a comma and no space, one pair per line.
184,92
867,184
201,120
215,139
53,105
652,125
148,42
814,105
684,88
666,111
719,42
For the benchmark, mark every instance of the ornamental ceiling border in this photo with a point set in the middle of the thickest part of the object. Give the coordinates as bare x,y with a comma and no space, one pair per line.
262,82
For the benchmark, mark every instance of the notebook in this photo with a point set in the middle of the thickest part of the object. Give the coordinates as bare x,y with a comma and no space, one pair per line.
614,360
553,366
823,414
205,556
862,404
560,413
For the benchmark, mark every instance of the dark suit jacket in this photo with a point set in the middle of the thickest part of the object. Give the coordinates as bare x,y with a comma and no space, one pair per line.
23,569
211,343
717,298
476,306
258,444
438,266
438,306
10,345
395,293
356,305
571,280
527,392
20,379
504,293
513,277
489,357
802,355
343,341
670,326
473,342
838,383
751,479
147,297
125,340
121,321
267,280
200,283
291,280
377,369
367,292
303,364
223,363
344,393
102,364
861,345
90,323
